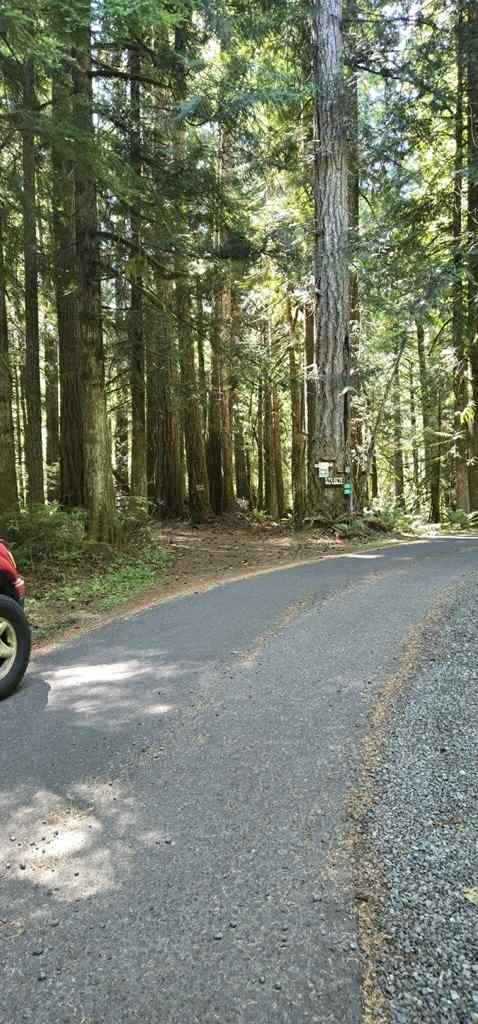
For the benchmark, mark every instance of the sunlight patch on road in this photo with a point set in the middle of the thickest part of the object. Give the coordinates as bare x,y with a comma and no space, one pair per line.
108,672
64,852
160,709
363,556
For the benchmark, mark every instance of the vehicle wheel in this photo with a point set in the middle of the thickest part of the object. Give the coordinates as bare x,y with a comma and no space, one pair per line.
15,645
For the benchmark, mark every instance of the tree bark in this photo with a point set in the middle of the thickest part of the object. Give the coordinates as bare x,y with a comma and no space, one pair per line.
52,416
201,335
121,446
374,475
135,317
430,430
260,445
243,489
472,80
33,440
270,464
8,473
413,425
21,481
398,474
355,439
277,442
198,484
298,438
214,441
221,437
460,386
99,490
169,475
332,284
311,386
72,469
227,433
152,422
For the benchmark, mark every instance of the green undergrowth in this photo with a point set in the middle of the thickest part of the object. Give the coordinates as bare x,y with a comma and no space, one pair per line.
457,519
68,575
113,585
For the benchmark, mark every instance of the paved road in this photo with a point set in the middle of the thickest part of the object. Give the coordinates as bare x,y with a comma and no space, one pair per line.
173,817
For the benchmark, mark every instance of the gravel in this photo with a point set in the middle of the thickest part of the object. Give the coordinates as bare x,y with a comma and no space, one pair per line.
424,830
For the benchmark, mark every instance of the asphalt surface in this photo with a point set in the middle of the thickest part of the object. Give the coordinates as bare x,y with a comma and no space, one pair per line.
174,789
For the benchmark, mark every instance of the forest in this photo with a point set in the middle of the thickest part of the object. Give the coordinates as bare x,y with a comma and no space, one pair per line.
239,258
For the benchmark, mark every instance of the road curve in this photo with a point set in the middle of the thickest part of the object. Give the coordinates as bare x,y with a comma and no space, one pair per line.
173,804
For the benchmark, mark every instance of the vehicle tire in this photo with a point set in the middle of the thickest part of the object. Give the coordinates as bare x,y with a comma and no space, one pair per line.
15,645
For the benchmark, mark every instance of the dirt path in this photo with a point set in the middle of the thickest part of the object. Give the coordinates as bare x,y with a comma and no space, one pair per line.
236,544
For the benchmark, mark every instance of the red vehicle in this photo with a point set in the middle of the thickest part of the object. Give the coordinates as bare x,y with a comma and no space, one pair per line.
15,636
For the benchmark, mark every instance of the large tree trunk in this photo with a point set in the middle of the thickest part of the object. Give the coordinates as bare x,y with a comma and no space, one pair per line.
243,488
33,440
72,469
201,336
227,429
298,439
472,68
220,429
462,488
8,475
374,476
121,446
152,422
214,441
260,445
436,468
355,439
198,484
270,464
165,407
413,426
311,384
135,317
332,284
121,419
221,360
277,444
99,492
52,416
19,436
430,429
398,474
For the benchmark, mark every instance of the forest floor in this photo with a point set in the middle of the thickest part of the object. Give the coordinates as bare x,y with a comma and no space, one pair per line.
169,560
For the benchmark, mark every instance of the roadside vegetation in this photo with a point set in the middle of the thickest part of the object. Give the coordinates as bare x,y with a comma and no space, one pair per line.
69,575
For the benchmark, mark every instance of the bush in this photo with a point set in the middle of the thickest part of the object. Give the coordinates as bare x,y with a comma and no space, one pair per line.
45,533
460,520
123,579
133,517
394,518
350,528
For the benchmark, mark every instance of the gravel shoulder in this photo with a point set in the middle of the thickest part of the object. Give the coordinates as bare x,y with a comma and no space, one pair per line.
419,838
